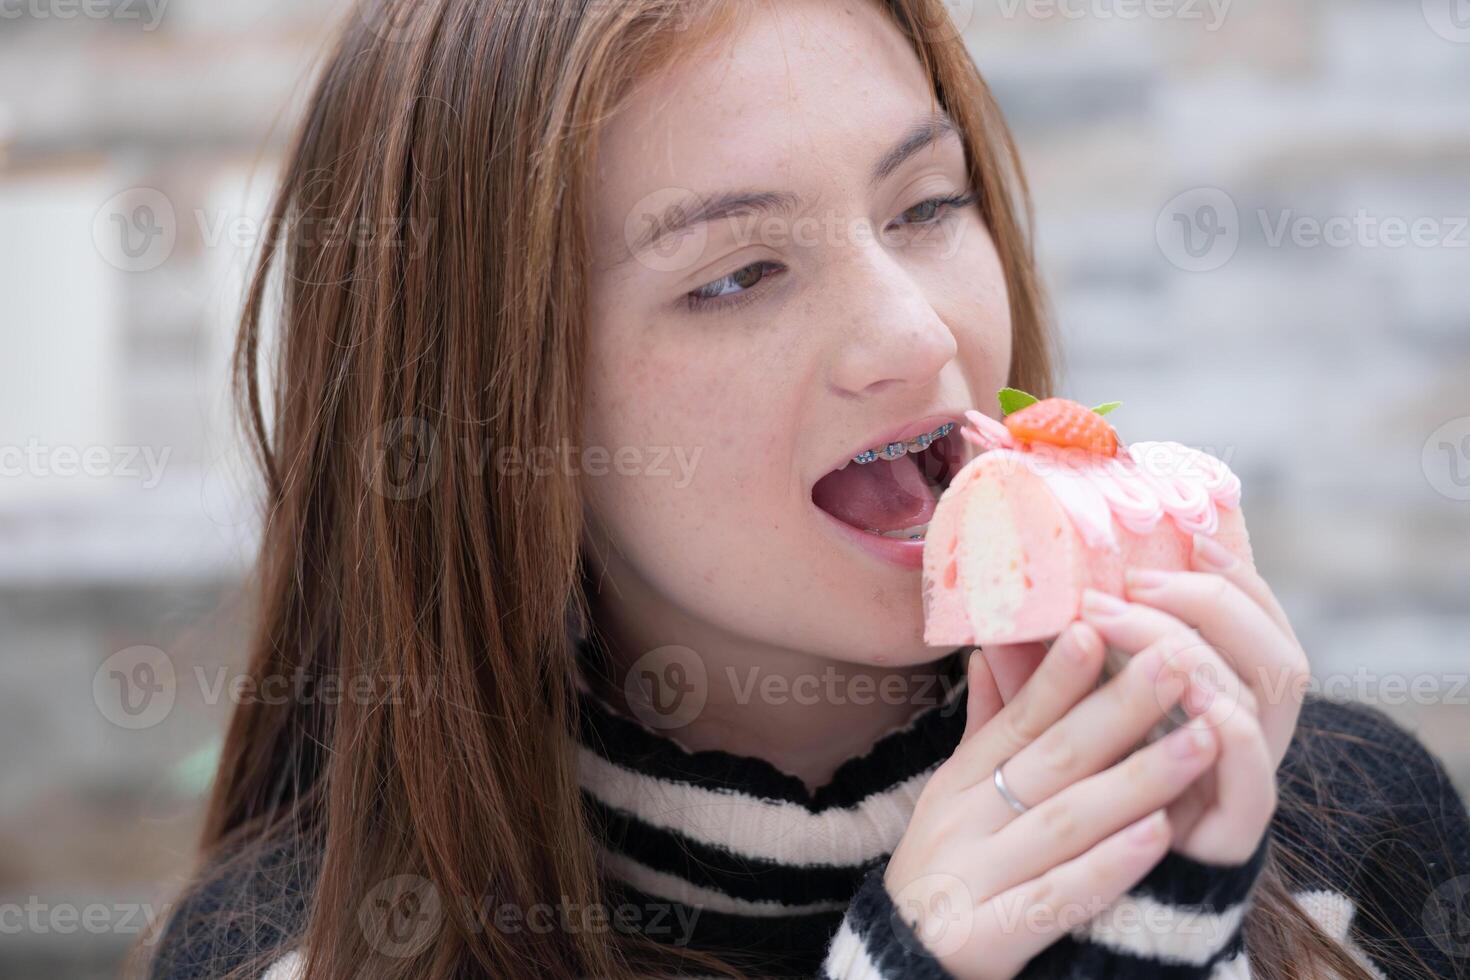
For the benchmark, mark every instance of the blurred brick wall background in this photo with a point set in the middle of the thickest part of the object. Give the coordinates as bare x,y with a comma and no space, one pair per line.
1252,216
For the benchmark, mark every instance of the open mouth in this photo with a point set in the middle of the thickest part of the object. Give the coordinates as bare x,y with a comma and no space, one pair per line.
892,498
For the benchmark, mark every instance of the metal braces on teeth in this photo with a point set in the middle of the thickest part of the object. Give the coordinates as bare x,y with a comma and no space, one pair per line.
885,534
896,449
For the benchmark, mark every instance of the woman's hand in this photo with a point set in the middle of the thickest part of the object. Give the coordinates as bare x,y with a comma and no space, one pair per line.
1235,613
986,888
1221,625
968,864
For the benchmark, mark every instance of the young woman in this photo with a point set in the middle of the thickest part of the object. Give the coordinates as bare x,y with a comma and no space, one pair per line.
580,304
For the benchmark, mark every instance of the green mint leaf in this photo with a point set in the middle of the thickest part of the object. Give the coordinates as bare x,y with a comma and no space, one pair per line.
1105,407
1014,399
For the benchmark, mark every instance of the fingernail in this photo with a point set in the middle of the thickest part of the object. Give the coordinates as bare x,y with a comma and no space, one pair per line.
1080,642
1211,553
1150,661
1146,830
1187,742
1198,698
1102,604
1146,578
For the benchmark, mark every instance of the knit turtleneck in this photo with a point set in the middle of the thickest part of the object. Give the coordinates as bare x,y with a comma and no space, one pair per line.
727,854
767,866
762,871
744,861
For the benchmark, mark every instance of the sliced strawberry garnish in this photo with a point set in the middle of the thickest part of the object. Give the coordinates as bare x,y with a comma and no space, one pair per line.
1063,422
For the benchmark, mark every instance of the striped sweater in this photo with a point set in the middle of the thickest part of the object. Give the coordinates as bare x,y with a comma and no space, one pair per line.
728,854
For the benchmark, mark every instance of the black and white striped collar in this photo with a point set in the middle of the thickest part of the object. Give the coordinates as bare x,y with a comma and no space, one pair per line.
915,747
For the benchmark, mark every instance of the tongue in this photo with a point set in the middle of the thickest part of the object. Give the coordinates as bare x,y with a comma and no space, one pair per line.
882,495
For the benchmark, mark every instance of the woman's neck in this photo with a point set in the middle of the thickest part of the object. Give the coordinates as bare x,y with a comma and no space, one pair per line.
804,713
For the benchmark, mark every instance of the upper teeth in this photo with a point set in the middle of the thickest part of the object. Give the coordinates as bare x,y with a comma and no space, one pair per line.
896,449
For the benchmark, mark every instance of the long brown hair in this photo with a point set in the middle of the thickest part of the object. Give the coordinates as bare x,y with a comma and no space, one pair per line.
431,292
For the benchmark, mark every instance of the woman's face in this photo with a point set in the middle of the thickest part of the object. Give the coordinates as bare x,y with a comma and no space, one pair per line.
737,362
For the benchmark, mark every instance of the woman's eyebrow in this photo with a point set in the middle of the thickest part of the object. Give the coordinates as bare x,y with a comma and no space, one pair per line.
931,129
683,215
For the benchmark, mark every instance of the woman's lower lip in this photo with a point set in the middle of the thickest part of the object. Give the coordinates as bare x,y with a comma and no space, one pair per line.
904,554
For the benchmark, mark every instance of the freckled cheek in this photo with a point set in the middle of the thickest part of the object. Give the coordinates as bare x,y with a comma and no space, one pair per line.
711,405
982,298
728,434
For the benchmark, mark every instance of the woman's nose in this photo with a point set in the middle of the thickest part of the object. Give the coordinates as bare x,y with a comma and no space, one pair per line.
884,329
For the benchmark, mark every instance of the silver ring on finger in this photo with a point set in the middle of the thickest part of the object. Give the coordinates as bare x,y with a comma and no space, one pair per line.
1004,791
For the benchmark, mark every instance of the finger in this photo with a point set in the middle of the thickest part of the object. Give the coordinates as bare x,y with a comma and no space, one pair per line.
1237,799
984,698
1068,895
1135,625
1012,664
1240,629
1099,730
1068,823
1208,555
1067,672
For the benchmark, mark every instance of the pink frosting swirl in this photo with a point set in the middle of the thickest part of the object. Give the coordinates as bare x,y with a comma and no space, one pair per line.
1135,489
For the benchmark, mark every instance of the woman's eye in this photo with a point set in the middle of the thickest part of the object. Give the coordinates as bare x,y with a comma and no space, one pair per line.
927,210
743,284
734,288
924,212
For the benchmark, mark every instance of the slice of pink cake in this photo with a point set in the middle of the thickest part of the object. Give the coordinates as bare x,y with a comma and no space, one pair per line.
1024,527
